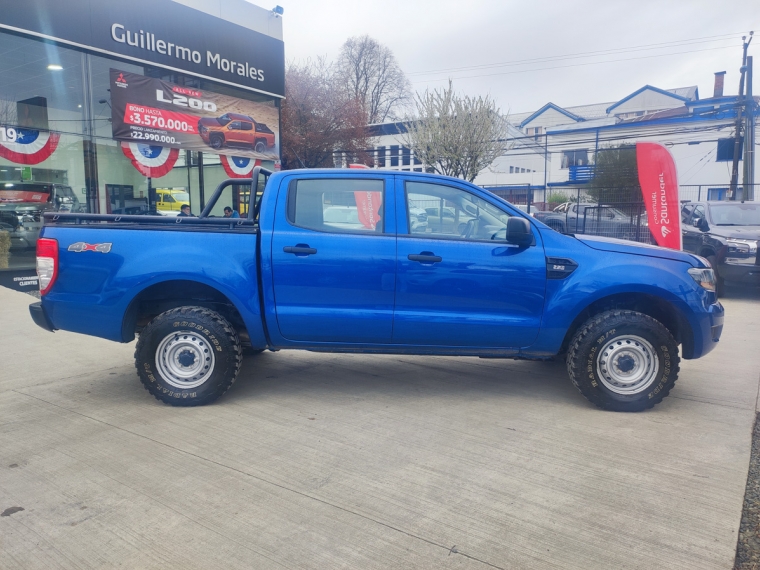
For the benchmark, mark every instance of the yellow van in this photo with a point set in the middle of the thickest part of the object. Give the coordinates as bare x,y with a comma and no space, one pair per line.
171,199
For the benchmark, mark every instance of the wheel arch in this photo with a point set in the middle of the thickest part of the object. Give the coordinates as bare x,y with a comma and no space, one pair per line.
162,296
645,303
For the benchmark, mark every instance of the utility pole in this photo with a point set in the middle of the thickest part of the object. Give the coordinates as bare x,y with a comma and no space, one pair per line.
749,138
738,137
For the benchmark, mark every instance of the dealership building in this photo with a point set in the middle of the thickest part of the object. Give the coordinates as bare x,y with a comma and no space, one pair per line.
130,107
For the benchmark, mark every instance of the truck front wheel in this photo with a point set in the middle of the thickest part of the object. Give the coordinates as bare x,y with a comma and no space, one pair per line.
623,361
188,356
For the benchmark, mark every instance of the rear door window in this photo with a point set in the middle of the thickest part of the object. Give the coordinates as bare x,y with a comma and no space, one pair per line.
337,205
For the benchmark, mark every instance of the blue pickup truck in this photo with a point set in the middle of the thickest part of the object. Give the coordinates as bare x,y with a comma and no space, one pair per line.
330,261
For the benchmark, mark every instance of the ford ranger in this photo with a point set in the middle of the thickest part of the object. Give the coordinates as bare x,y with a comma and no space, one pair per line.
293,274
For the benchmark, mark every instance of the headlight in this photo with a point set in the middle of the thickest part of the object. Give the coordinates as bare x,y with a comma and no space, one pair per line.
704,276
741,246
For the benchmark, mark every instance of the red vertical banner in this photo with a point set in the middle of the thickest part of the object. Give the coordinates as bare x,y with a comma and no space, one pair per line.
368,206
659,186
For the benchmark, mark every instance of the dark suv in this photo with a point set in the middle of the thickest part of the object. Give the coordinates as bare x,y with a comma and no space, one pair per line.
23,203
727,234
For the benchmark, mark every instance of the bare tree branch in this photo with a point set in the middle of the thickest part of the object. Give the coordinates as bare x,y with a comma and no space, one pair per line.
456,136
318,117
369,72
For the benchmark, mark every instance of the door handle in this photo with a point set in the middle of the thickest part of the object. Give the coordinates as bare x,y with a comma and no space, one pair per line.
300,249
424,257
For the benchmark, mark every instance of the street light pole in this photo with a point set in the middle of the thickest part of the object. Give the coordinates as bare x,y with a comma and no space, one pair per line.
738,137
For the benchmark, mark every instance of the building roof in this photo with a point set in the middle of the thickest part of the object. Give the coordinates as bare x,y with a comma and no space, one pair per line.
546,108
648,88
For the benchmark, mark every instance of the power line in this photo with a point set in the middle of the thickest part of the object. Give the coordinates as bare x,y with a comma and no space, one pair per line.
572,65
645,47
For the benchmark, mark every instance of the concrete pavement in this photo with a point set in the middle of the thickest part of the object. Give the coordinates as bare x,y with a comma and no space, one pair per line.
326,461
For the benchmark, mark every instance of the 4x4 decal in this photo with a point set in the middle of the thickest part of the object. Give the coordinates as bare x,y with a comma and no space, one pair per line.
82,246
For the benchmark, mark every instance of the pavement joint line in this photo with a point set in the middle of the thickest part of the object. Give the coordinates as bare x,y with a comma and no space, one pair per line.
56,380
709,402
263,480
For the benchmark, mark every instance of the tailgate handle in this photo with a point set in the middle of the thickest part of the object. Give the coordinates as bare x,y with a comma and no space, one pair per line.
300,249
424,257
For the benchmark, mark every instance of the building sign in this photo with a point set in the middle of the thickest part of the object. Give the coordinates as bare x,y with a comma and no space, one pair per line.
162,114
157,32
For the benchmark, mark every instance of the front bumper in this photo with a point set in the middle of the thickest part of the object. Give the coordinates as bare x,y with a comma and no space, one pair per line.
40,317
740,271
706,333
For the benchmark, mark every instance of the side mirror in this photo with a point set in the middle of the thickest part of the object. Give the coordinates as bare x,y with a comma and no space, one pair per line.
519,232
703,225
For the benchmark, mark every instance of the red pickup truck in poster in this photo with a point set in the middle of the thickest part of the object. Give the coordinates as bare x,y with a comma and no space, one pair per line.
236,130
155,112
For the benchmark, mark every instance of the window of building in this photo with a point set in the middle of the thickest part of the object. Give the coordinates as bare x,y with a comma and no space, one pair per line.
68,110
337,205
726,149
381,157
574,158
394,155
406,156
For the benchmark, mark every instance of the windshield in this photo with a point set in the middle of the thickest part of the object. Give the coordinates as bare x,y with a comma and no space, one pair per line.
24,192
736,214
223,120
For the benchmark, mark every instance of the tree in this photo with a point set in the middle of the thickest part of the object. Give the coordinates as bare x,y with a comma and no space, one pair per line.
318,117
455,135
369,73
616,178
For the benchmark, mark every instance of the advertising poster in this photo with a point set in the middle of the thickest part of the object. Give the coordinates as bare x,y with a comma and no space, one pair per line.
158,113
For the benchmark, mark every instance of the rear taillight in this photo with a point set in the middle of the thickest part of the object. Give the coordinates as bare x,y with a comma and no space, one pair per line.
47,263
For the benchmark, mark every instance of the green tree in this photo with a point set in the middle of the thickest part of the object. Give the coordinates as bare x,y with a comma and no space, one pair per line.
616,178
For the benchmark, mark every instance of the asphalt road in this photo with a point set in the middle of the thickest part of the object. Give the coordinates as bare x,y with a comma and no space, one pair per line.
329,461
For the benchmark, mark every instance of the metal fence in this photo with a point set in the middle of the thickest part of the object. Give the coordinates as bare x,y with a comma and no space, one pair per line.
609,212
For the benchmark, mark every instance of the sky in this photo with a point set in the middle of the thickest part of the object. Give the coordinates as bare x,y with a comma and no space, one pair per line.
579,51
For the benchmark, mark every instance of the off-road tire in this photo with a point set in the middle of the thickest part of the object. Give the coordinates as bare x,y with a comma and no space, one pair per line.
260,147
216,141
203,331
599,333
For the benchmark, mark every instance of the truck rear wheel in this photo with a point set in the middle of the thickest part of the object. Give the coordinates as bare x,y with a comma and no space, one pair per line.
623,361
260,147
188,356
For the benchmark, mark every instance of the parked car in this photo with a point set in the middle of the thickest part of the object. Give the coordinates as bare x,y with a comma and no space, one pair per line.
169,200
727,234
287,278
418,219
23,203
233,129
588,218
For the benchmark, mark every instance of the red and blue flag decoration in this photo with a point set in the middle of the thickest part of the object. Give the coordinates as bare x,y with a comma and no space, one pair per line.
239,166
151,161
30,147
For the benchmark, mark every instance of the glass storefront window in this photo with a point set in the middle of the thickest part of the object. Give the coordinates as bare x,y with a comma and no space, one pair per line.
56,133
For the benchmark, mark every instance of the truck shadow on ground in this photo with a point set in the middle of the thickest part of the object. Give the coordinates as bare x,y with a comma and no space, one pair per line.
327,376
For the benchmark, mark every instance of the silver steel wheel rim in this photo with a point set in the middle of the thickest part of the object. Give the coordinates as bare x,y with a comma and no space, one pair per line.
185,359
627,365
